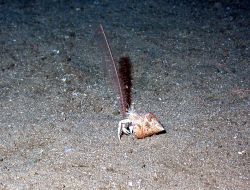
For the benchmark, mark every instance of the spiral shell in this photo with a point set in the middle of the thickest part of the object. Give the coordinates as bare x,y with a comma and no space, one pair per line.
145,125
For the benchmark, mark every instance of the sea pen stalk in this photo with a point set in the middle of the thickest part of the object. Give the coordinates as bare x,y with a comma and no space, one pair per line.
117,77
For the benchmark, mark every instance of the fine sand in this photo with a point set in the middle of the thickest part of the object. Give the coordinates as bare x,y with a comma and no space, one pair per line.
59,112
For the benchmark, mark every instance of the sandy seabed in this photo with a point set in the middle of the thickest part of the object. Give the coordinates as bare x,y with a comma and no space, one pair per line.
59,114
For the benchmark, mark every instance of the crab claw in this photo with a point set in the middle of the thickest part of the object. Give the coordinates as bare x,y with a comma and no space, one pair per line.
124,127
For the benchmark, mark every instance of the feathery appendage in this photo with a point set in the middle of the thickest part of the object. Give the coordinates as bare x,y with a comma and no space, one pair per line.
123,76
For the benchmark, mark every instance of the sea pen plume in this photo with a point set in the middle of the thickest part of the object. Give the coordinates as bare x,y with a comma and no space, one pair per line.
123,77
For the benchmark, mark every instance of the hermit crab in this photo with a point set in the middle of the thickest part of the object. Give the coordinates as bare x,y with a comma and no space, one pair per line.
141,125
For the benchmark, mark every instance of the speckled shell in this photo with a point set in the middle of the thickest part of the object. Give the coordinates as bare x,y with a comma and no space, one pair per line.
145,125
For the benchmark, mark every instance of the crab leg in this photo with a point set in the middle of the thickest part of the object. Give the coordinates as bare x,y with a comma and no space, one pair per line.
122,127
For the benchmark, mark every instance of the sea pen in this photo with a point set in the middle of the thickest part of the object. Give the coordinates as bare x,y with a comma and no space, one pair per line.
123,76
141,125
